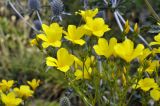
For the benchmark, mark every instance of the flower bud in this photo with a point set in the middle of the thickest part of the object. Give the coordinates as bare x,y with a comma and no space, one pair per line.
136,28
37,24
57,7
126,27
34,5
64,101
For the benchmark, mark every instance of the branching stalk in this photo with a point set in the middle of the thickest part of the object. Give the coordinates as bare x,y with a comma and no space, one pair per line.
143,40
38,15
118,21
17,12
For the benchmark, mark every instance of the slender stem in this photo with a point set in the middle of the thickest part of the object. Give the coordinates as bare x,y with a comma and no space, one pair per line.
105,2
100,69
118,21
39,17
66,13
85,2
122,19
60,18
152,10
82,95
12,6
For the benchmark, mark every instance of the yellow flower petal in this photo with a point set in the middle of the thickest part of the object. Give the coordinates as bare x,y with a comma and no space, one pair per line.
80,42
91,25
10,99
52,35
83,74
138,51
147,83
74,34
126,50
51,61
88,13
103,48
45,44
145,54
155,94
34,83
56,44
63,62
154,43
42,37
100,49
64,68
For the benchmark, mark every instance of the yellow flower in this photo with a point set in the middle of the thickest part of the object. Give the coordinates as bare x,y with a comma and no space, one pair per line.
156,50
88,13
80,74
87,63
158,23
104,47
34,83
145,54
126,50
155,94
33,42
86,70
52,35
10,99
63,62
126,27
146,84
23,91
157,39
152,66
97,26
6,85
75,34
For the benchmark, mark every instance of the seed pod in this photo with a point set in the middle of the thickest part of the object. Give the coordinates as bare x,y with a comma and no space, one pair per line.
57,7
64,101
34,5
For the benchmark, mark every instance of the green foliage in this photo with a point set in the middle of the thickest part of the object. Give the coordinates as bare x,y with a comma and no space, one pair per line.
40,102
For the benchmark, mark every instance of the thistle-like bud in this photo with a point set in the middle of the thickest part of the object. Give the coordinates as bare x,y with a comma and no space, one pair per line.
34,5
37,24
57,7
64,101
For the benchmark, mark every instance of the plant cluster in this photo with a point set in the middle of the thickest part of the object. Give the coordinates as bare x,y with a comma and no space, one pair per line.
102,69
12,95
98,68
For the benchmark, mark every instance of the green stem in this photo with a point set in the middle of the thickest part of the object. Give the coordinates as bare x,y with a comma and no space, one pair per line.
152,10
82,96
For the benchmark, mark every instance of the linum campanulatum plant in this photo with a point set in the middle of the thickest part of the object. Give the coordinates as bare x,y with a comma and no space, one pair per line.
98,68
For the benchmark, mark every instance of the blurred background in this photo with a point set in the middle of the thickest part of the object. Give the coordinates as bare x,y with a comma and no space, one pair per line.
21,62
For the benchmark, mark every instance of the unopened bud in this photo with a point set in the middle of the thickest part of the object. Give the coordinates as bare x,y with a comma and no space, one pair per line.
64,101
124,79
57,7
126,24
136,28
37,24
126,27
34,5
